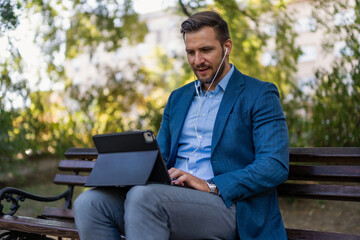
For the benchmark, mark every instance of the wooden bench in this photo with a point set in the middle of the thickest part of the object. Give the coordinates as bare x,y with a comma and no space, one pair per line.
315,173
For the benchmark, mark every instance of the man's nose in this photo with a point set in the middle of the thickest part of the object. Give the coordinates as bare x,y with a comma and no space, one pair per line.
199,59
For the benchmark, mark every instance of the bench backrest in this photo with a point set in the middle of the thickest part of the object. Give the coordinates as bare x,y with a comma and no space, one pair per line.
75,170
317,173
323,173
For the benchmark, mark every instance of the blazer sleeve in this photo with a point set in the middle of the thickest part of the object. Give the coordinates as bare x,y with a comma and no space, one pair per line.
164,136
270,142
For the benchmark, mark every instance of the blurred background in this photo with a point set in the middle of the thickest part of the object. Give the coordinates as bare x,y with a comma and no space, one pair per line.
74,68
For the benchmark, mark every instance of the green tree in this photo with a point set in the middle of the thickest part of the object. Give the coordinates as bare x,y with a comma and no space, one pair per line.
12,131
80,27
67,29
336,101
122,104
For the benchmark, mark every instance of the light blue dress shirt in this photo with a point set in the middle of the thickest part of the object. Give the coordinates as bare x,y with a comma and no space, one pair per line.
194,151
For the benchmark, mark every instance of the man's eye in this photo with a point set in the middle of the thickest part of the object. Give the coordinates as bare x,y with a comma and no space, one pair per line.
207,50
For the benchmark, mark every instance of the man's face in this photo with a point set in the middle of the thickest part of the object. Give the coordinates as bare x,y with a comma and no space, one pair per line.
204,54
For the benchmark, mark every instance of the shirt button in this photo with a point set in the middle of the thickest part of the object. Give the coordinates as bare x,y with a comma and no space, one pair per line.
191,172
210,96
200,137
204,115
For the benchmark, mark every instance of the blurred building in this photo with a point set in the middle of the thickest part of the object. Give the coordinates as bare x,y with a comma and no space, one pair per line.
310,39
164,33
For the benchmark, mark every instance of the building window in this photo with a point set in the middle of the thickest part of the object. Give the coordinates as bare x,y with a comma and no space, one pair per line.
142,49
306,84
345,18
306,24
268,59
341,49
309,53
269,29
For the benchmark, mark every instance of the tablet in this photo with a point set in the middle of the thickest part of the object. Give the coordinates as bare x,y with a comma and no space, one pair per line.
127,159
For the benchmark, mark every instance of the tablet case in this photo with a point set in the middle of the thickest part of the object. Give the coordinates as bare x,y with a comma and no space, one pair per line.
127,159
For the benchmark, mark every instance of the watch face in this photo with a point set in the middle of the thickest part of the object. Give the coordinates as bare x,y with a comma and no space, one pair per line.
211,186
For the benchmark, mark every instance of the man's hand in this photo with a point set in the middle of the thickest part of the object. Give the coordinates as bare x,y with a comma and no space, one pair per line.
185,179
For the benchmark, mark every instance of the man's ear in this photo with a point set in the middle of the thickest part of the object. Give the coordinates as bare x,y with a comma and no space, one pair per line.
228,45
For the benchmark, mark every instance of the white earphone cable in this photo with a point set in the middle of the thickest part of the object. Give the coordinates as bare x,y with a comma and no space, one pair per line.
198,112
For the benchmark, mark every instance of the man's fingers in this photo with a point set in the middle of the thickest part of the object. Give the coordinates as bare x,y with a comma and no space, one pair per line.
182,178
171,170
175,173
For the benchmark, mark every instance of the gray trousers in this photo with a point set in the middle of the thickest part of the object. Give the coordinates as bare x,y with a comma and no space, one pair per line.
154,211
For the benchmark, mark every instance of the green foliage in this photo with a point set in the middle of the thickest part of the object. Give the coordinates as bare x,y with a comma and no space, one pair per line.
336,100
48,126
189,7
247,24
68,29
8,15
12,132
11,138
76,27
119,105
329,116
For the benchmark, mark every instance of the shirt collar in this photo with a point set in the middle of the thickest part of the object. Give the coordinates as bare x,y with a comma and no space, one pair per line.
221,85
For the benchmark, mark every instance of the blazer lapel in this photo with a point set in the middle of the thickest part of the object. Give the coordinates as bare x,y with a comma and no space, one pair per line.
233,90
179,112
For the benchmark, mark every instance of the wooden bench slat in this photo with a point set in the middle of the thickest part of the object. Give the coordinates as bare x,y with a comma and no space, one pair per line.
298,234
327,192
325,173
326,152
53,212
342,155
321,173
348,155
76,165
70,179
82,153
39,226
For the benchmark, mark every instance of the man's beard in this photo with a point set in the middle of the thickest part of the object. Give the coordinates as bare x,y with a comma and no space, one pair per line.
210,80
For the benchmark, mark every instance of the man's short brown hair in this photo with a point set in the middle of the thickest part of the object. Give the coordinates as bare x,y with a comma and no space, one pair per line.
210,19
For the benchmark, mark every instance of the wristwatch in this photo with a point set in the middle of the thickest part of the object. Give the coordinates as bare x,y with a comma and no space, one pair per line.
211,186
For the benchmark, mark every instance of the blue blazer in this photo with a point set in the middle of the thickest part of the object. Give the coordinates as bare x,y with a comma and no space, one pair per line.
249,152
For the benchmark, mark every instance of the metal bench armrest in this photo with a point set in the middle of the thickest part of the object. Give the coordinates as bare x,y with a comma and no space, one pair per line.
15,195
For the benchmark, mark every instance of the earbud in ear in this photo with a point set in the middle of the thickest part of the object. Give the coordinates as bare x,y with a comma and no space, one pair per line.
226,50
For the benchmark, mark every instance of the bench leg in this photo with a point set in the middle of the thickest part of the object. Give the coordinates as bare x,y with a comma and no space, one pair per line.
14,235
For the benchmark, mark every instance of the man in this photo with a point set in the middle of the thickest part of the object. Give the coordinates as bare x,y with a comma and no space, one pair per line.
225,140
